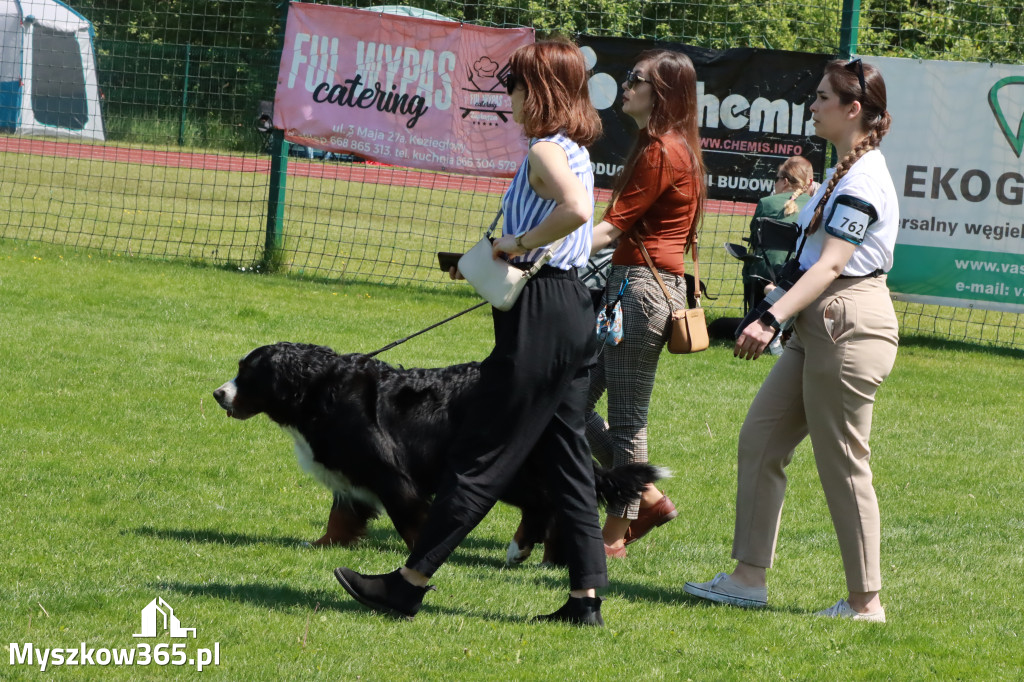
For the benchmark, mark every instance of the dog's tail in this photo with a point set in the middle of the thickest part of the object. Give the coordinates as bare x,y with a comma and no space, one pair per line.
622,485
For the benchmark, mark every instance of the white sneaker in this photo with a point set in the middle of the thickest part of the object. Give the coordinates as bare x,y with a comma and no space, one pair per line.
843,610
724,590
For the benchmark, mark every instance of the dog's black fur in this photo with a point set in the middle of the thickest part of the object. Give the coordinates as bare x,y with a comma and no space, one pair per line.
380,433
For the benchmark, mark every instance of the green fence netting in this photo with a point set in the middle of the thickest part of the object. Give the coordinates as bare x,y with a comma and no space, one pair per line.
184,170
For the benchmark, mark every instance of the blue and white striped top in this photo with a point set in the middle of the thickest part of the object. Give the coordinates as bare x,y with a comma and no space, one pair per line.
524,210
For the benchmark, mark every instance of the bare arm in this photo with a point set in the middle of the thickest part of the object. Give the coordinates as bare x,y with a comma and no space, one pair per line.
835,254
551,178
604,234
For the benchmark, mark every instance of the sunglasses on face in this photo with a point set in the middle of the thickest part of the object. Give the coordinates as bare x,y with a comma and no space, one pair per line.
857,66
511,81
632,78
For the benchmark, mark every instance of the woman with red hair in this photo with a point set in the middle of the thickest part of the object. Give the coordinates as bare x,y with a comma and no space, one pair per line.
533,387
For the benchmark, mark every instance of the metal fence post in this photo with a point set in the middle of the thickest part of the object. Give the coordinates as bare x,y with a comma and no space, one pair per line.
276,200
848,28
276,195
184,96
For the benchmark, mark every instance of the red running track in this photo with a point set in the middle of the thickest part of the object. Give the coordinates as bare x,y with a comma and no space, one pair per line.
368,172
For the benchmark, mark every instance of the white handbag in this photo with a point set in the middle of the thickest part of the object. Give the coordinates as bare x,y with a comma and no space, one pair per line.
495,279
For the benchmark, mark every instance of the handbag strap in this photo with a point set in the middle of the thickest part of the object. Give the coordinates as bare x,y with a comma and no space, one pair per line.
494,223
696,271
548,254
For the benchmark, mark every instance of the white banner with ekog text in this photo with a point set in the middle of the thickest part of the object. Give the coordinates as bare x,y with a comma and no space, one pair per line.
955,154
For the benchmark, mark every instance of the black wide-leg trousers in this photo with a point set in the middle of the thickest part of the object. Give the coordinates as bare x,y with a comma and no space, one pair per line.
531,399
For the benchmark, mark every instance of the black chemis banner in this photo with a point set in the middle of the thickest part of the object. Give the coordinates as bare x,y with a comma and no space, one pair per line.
754,112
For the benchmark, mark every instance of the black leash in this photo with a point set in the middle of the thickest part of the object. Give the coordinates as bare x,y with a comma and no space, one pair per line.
422,331
391,345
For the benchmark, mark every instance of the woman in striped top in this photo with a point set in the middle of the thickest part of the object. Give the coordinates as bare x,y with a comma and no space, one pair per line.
533,389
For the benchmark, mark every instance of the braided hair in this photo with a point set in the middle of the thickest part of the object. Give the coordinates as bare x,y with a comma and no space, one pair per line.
798,172
844,78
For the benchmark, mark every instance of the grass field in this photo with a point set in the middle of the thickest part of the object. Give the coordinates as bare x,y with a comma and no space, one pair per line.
377,230
344,222
123,482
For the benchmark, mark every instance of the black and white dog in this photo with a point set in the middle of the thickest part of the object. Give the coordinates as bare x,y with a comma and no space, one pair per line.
378,436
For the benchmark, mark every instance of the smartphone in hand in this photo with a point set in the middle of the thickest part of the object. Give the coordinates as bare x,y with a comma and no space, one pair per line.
447,260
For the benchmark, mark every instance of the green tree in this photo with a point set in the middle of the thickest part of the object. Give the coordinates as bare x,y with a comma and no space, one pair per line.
960,31
230,48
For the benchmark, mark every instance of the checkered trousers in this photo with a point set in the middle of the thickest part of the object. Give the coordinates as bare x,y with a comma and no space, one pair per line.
627,371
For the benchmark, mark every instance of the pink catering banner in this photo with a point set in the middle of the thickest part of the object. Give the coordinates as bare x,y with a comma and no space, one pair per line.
422,93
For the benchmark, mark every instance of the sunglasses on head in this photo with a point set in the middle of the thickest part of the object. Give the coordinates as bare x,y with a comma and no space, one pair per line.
857,66
632,78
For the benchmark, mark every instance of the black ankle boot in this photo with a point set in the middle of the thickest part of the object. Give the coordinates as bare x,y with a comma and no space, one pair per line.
577,611
388,592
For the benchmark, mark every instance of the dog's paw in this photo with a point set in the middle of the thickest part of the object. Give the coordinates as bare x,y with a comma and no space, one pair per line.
516,555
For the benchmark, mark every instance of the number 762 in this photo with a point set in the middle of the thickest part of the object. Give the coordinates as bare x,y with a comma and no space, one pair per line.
852,226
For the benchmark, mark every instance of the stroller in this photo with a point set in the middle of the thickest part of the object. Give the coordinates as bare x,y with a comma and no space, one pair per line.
772,243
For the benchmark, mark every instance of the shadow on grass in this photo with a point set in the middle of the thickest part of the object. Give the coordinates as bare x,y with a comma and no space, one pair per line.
638,592
474,551
215,537
383,533
383,538
555,577
283,597
263,594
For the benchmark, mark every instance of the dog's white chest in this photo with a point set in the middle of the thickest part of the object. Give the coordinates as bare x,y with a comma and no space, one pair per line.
332,480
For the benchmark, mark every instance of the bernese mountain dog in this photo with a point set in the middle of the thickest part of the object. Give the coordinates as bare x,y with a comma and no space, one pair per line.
378,437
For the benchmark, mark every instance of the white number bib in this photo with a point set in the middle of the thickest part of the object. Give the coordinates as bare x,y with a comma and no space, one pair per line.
850,219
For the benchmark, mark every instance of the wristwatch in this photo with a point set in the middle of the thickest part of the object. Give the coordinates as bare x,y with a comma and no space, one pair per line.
519,242
769,319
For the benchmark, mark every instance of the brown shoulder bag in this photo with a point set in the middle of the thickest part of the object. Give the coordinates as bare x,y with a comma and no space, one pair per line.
689,329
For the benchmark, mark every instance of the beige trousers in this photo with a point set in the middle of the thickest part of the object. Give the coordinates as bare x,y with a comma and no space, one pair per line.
824,386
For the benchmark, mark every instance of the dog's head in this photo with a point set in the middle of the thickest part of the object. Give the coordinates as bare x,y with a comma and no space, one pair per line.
271,379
